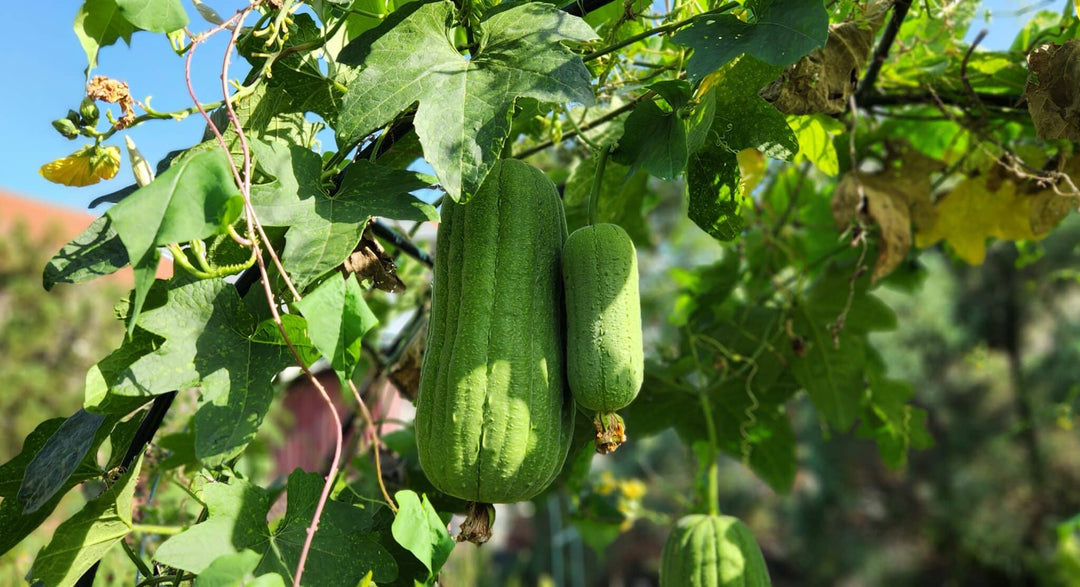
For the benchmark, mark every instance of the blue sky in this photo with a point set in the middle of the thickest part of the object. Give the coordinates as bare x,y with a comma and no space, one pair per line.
42,64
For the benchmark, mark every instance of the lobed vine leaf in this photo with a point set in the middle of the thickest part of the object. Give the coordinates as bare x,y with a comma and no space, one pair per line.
781,32
338,318
324,230
208,343
894,424
83,539
344,550
465,102
743,120
237,570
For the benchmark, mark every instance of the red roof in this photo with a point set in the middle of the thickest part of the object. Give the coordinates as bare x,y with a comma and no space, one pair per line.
56,225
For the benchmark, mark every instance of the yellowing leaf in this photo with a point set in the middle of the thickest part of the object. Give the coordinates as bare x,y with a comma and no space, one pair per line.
895,196
86,166
751,169
971,213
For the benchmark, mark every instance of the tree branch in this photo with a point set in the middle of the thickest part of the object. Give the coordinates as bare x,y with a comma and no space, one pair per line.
866,84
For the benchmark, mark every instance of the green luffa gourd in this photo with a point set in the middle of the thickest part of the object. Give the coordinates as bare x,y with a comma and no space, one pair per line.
494,418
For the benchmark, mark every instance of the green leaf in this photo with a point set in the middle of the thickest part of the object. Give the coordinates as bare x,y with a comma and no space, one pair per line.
95,252
716,201
620,201
324,231
782,32
194,199
17,525
97,397
465,103
892,422
209,343
419,529
237,570
158,16
598,522
99,23
59,458
344,549
830,367
743,120
84,538
296,82
654,138
338,318
814,134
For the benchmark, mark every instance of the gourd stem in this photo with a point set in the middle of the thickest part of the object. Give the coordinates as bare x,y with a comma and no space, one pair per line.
598,178
712,474
712,469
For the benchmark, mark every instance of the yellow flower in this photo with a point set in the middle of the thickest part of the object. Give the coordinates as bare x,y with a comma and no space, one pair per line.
86,166
607,483
632,489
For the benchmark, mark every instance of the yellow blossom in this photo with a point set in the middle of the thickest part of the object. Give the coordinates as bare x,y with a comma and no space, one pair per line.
607,484
86,166
632,489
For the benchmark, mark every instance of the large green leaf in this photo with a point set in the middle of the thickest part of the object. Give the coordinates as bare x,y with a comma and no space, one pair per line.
344,549
655,138
463,117
84,538
419,529
716,199
338,318
194,199
830,367
95,252
743,120
158,16
237,570
323,230
209,343
99,23
15,523
781,32
60,457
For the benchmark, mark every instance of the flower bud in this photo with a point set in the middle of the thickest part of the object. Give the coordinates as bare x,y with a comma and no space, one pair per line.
66,128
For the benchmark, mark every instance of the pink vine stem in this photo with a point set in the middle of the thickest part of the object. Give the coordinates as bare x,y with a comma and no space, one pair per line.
243,181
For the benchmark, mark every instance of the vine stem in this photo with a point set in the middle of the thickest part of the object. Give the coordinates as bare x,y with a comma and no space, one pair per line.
656,31
244,183
369,422
598,179
712,470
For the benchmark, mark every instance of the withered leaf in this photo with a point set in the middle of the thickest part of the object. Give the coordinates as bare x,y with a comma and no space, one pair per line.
405,375
895,196
370,261
823,81
1053,90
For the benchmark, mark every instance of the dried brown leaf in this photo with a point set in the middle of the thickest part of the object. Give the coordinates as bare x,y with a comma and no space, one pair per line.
370,261
1053,90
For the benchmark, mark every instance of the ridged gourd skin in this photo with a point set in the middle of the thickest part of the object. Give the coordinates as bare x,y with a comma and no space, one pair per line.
494,417
712,551
604,352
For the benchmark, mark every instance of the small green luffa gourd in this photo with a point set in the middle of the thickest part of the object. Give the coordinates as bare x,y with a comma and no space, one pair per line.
604,353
